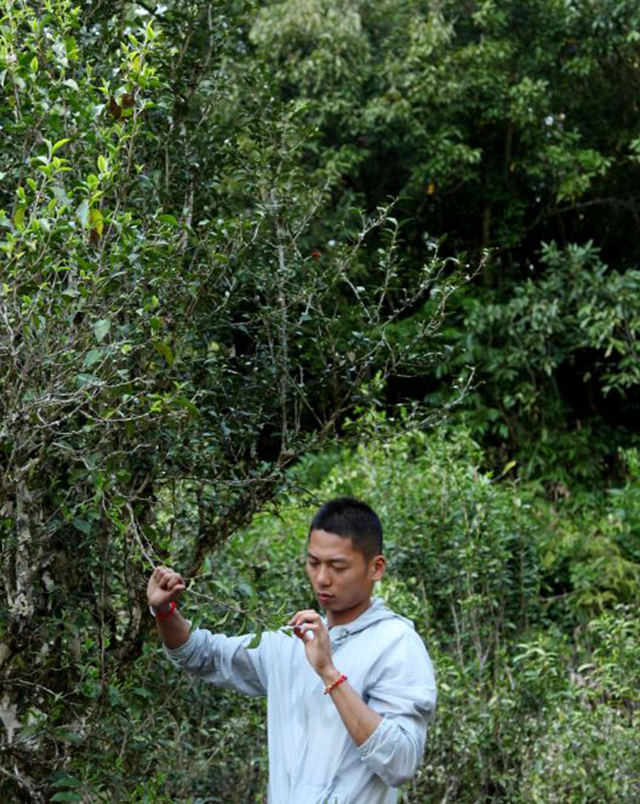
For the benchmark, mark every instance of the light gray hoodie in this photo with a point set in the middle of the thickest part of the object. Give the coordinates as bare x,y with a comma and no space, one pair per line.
312,758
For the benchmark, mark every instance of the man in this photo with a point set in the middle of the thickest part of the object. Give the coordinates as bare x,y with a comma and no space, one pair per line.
349,699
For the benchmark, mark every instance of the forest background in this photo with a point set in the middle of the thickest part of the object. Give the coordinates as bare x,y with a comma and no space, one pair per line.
257,254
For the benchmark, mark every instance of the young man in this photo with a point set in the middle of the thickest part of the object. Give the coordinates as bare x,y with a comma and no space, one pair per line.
349,699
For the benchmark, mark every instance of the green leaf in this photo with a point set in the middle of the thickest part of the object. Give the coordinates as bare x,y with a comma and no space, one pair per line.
62,142
168,219
34,65
69,795
69,82
102,164
257,639
66,781
71,47
83,212
165,351
60,195
18,217
101,329
187,404
96,221
93,357
84,527
85,379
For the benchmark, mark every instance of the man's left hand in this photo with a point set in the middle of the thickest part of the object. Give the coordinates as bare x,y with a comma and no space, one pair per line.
308,626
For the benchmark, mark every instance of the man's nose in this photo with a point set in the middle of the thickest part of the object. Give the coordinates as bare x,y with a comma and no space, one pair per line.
323,576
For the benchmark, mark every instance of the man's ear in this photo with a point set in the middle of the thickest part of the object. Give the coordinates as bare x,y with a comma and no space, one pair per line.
378,563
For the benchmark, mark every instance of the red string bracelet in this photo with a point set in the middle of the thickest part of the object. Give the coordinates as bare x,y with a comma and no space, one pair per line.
165,616
328,690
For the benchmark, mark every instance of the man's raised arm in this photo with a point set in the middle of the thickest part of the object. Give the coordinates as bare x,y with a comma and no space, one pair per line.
216,658
163,591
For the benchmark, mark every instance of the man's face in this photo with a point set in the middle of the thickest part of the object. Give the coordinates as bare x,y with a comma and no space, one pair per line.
341,576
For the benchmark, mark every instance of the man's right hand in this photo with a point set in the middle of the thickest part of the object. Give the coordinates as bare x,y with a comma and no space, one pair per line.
164,586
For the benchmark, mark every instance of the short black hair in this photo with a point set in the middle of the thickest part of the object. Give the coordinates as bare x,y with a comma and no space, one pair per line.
354,519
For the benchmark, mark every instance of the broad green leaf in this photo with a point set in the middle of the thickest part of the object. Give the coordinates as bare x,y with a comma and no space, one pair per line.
60,143
96,221
102,164
69,82
165,351
83,212
60,195
71,47
168,219
67,781
101,328
187,404
83,379
69,795
257,639
93,357
84,527
18,217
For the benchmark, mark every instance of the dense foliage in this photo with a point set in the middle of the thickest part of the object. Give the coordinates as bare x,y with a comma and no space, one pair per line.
234,233
508,126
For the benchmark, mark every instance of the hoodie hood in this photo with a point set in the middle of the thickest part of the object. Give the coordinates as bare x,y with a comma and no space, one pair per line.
376,612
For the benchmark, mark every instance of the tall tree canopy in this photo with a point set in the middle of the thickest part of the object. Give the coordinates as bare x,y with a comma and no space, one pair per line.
508,126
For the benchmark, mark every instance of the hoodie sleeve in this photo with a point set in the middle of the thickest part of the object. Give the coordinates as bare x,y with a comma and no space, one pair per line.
403,691
224,661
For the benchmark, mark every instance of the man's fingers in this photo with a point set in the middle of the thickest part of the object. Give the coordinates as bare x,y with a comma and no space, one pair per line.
305,632
308,615
307,636
168,580
308,627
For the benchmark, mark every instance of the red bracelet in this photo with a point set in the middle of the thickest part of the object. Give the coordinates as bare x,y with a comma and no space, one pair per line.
167,614
328,690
